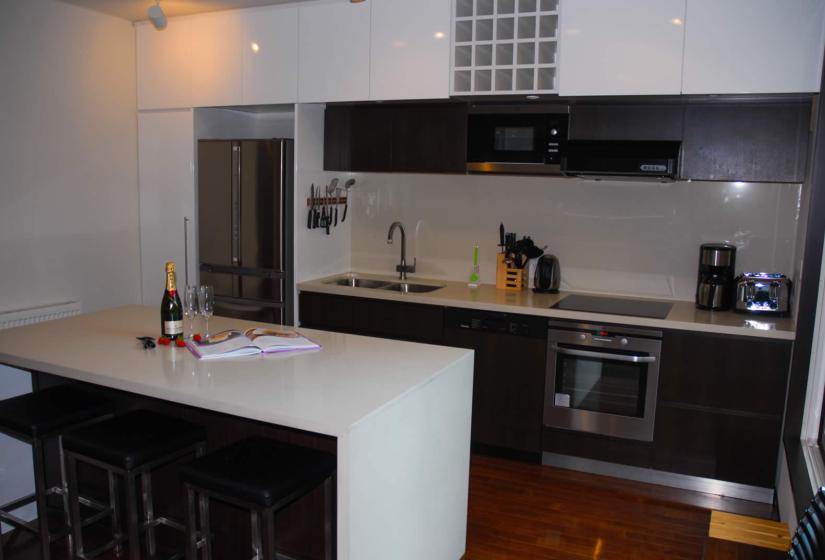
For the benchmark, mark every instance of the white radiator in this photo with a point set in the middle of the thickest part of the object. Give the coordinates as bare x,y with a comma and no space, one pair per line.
37,314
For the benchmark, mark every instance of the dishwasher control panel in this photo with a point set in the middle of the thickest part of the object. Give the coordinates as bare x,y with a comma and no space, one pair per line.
500,323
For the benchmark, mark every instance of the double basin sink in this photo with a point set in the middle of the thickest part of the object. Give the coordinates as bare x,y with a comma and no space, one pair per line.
402,287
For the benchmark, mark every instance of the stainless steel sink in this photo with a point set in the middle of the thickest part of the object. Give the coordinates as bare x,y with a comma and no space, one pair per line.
407,288
355,282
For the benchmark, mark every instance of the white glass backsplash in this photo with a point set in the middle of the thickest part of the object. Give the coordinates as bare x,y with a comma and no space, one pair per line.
612,237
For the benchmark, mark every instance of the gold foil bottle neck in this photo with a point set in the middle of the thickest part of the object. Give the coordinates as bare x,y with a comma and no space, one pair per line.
170,277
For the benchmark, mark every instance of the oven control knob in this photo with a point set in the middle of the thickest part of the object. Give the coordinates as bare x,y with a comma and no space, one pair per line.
582,336
623,341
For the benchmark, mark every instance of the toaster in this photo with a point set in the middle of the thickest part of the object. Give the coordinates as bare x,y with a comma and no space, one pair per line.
763,292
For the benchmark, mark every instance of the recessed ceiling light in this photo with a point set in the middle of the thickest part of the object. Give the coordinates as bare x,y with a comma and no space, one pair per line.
255,47
439,34
532,97
676,21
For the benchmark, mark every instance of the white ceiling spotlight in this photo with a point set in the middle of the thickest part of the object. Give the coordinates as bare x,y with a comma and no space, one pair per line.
157,16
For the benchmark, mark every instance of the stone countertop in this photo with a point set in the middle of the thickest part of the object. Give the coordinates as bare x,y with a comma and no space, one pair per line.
327,391
682,316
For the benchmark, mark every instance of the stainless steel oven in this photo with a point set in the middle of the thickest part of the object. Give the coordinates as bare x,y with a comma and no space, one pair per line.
602,380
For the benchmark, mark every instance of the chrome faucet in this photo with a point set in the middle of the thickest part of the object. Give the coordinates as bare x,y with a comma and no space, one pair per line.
402,268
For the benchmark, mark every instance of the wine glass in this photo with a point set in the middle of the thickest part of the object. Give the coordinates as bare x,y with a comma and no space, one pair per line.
190,307
206,305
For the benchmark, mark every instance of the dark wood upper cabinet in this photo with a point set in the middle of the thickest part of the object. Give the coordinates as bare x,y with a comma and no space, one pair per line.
358,138
722,139
746,141
410,138
430,138
627,121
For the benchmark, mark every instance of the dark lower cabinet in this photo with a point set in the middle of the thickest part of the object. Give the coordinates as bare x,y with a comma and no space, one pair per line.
597,447
721,400
510,353
372,317
739,448
508,382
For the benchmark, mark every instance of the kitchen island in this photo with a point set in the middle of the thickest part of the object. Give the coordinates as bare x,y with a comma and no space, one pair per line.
399,412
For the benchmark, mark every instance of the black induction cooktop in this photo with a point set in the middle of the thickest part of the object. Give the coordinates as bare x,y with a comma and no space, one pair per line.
615,306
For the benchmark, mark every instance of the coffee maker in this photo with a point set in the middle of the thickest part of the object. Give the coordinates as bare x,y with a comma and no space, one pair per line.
715,287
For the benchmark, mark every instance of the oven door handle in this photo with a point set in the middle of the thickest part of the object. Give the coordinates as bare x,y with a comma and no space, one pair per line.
603,355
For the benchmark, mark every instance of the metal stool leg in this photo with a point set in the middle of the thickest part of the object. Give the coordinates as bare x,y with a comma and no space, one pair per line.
269,534
148,512
206,530
74,505
255,522
132,520
191,525
114,506
64,489
40,489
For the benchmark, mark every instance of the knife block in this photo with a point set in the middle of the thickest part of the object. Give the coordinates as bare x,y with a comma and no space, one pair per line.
511,279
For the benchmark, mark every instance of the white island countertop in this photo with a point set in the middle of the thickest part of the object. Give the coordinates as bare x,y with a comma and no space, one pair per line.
400,413
325,391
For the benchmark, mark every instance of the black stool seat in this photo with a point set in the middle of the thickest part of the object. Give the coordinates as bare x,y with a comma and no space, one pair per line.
133,439
260,471
41,413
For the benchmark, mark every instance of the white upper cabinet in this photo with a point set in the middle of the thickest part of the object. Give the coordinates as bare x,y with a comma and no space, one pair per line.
163,76
632,47
410,50
334,51
270,59
753,46
215,61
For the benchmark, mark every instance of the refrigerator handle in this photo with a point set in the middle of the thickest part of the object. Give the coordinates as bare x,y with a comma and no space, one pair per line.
236,204
282,199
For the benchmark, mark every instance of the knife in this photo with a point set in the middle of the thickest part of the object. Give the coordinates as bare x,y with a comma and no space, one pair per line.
311,206
501,236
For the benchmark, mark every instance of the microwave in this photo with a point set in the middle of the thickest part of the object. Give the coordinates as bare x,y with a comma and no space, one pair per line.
516,139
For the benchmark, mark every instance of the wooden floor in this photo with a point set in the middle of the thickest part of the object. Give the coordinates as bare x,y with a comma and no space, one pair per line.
521,511
530,511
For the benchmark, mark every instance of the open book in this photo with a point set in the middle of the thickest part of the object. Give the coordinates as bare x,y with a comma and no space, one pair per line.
251,341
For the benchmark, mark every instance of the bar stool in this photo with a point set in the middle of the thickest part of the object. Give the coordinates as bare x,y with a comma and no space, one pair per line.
262,476
132,446
35,418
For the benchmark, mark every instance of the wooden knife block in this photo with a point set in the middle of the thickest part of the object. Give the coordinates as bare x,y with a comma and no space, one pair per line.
511,279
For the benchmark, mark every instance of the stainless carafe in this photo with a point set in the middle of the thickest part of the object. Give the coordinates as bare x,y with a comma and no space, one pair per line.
715,284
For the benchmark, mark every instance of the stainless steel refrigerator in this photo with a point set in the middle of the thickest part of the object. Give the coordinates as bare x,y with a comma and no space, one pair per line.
245,227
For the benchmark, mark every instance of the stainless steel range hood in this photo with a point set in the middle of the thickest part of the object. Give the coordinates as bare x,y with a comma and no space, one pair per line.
628,160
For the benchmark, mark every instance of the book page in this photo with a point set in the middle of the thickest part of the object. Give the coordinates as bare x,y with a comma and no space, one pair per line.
224,343
278,340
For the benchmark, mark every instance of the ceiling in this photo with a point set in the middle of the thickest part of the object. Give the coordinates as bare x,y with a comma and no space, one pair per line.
135,10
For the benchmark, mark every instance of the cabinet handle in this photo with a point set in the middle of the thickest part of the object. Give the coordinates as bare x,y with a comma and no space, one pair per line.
605,355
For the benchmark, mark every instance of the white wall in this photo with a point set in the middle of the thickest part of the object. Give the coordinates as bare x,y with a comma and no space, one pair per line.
68,157
316,254
625,237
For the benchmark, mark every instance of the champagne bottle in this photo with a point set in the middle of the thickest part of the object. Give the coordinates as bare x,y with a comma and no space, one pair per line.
171,311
